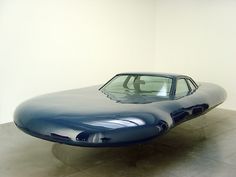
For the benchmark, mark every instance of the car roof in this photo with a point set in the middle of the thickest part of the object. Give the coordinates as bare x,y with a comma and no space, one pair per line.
170,75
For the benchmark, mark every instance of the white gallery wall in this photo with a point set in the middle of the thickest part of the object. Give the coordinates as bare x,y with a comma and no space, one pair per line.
52,45
198,38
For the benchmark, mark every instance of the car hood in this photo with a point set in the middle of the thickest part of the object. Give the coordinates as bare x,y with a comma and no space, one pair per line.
87,101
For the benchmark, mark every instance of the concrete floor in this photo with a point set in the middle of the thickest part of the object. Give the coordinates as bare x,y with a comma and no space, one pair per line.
204,147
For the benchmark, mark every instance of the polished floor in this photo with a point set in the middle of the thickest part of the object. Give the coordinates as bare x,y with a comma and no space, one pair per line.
205,146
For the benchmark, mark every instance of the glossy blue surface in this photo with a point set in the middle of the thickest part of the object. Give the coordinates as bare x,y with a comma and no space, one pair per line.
90,117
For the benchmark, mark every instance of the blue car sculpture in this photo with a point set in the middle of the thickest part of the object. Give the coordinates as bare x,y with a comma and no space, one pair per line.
129,108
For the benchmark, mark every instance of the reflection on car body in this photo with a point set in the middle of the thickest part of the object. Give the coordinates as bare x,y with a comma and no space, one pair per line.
129,108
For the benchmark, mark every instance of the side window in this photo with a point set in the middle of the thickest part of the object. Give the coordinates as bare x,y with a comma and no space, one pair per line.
181,88
191,85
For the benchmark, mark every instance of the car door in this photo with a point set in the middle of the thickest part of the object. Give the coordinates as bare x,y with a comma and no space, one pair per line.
181,91
190,104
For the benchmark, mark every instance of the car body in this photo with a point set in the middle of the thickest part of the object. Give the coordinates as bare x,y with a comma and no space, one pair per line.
129,108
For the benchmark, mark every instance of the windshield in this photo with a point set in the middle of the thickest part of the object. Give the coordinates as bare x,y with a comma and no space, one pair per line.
143,85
